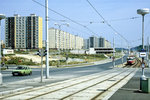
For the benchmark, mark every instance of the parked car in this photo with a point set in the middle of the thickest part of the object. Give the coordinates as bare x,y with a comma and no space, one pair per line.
22,70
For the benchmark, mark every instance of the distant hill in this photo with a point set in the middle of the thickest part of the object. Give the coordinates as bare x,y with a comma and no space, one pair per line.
119,49
137,48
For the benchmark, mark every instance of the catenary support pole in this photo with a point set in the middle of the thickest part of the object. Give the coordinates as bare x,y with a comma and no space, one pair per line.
47,42
1,80
148,52
1,76
42,53
113,52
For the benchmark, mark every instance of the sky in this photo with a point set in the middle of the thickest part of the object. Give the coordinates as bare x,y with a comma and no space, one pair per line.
120,14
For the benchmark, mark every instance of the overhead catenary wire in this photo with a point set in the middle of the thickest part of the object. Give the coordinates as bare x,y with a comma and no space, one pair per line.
105,21
135,41
147,26
99,22
121,19
66,17
73,28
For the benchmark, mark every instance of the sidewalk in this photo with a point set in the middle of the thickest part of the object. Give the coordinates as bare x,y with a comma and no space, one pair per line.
131,91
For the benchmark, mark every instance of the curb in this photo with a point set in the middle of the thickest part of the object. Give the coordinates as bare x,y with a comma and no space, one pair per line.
16,90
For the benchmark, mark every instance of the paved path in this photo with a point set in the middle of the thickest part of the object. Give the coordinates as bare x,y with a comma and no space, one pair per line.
96,86
131,91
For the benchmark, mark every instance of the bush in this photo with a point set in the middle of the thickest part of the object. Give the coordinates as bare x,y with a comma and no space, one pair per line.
57,63
20,61
92,57
3,68
22,52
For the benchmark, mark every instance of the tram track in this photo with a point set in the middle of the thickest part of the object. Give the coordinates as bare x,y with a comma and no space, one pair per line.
56,84
98,95
69,96
73,85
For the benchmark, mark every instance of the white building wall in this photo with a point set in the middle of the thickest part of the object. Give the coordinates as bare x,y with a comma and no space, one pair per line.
52,38
20,32
67,41
73,46
64,40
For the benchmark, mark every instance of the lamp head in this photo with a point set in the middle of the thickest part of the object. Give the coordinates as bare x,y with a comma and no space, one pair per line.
55,23
2,16
67,24
143,11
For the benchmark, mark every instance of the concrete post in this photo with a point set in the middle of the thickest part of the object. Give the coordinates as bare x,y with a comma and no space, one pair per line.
148,52
42,53
47,42
113,52
1,80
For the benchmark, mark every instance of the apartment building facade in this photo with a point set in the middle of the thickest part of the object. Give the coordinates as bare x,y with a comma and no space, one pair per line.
95,42
86,44
59,39
23,32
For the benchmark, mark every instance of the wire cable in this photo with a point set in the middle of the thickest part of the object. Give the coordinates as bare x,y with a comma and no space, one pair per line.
66,17
105,21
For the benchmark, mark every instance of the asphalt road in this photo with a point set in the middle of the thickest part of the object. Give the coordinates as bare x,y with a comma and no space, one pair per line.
68,73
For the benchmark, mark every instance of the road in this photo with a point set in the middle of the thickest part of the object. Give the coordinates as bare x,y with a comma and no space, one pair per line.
65,73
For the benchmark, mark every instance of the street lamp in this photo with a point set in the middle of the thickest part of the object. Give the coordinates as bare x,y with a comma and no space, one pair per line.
59,26
142,12
1,17
114,51
47,41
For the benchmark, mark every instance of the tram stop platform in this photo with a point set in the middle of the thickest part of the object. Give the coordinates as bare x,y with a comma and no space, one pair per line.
131,91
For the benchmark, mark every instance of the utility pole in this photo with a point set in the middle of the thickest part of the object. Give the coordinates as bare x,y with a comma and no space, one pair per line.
129,49
122,56
122,51
47,42
113,52
148,51
1,76
142,12
59,44
59,27
42,54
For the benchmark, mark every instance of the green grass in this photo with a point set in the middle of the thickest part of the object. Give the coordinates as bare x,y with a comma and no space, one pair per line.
3,68
85,57
20,61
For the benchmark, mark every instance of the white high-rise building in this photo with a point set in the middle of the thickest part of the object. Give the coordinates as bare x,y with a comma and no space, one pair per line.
59,39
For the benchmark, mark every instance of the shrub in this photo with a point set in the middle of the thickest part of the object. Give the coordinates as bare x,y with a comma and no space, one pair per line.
3,68
20,61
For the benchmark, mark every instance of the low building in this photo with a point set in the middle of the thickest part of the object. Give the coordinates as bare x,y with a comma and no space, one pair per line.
78,51
100,50
8,51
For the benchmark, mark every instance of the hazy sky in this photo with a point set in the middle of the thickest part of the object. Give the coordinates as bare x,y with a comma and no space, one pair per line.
118,13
